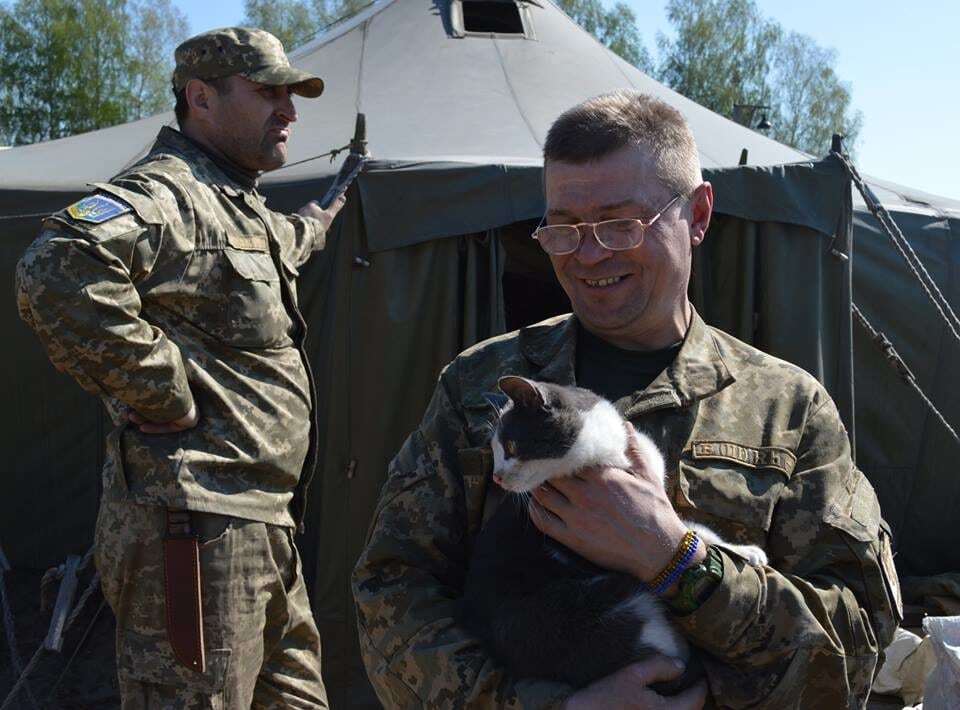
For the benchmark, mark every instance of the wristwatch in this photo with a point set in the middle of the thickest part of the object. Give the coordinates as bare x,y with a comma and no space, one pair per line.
697,583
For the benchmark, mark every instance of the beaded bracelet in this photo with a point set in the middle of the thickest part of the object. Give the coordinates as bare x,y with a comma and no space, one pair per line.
681,560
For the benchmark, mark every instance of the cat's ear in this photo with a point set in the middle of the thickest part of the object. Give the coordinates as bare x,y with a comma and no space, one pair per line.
497,401
522,391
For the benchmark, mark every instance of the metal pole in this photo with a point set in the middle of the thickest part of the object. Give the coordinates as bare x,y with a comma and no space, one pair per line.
843,251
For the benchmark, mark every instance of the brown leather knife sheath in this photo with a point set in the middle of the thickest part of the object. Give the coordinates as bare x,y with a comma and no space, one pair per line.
182,590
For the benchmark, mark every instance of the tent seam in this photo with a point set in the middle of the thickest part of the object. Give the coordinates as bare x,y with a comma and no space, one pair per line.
513,94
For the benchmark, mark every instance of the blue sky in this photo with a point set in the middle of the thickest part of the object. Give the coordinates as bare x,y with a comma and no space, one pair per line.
901,59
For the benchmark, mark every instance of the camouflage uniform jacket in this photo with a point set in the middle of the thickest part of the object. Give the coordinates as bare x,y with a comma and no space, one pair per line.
754,447
185,294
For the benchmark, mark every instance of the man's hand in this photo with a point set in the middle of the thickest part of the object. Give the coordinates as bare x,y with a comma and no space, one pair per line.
619,520
188,421
325,217
627,689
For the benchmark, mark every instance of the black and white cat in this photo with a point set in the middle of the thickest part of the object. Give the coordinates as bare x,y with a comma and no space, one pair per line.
542,610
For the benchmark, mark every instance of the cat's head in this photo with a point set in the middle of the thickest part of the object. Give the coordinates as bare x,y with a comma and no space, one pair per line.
547,431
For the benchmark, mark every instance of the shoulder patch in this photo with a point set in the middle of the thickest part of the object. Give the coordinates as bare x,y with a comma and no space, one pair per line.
97,209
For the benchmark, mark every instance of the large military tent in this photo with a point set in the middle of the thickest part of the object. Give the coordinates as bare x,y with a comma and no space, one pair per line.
432,254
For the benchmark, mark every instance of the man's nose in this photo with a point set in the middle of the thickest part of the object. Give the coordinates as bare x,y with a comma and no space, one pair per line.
590,251
287,110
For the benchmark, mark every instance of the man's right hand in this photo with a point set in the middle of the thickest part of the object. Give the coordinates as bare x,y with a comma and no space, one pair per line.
187,421
628,689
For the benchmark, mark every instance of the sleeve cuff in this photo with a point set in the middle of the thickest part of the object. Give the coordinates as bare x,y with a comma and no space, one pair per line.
722,619
317,232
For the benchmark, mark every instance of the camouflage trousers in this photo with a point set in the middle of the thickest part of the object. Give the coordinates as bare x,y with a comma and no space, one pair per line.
261,642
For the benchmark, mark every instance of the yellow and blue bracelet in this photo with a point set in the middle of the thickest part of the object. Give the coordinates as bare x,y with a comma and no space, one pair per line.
678,565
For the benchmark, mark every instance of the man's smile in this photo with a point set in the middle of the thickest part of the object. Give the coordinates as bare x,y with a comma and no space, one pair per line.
606,281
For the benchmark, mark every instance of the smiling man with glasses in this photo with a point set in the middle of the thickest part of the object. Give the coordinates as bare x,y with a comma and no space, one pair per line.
754,448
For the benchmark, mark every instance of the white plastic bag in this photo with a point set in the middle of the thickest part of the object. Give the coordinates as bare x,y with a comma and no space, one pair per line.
942,689
908,661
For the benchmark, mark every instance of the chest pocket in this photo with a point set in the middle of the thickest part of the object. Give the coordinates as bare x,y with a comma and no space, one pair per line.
256,316
732,488
237,298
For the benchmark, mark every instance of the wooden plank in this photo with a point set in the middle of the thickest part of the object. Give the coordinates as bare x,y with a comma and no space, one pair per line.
68,588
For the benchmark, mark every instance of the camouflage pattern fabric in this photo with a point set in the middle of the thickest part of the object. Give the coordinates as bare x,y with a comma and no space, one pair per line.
186,297
262,645
754,448
251,53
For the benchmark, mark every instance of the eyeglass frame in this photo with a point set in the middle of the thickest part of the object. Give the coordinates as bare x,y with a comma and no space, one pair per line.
645,226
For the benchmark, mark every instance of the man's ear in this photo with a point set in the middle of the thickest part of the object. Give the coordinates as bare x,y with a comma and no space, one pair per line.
522,391
198,94
701,209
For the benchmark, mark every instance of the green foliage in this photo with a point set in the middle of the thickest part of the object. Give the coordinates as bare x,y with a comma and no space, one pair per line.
294,22
616,27
721,53
69,66
726,53
156,29
291,21
810,103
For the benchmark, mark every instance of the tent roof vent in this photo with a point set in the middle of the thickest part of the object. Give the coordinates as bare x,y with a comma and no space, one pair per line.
486,18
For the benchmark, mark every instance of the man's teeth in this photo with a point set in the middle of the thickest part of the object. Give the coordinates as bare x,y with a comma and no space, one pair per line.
603,282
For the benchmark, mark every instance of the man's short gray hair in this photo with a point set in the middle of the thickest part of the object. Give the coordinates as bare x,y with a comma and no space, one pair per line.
606,123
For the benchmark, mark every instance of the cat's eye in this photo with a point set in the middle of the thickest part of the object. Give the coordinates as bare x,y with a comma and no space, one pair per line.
510,447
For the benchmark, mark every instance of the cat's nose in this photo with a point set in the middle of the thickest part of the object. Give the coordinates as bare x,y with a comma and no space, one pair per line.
498,479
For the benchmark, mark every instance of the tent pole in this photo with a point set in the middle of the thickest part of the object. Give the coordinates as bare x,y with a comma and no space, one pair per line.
842,250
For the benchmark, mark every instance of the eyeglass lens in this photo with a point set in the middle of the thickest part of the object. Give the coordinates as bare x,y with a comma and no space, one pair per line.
615,234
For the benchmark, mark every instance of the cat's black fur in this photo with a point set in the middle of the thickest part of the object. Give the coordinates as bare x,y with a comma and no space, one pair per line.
542,610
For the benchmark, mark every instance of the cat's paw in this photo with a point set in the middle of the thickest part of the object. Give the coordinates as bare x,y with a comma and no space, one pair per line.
751,553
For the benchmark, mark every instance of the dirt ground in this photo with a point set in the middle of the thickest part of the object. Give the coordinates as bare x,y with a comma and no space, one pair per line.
88,682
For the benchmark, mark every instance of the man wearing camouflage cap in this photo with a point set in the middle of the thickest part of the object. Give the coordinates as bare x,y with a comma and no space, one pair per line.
169,293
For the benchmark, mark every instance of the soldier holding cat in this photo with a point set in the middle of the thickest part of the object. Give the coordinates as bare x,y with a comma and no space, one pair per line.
753,447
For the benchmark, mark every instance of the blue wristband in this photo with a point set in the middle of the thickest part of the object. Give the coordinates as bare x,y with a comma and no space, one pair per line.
680,567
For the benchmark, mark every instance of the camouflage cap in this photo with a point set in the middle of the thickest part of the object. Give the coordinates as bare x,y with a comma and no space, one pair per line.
254,54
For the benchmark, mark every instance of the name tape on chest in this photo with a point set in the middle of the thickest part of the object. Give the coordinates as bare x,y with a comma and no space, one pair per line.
754,457
96,209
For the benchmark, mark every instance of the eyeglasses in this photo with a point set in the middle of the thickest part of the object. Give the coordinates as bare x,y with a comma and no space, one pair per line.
612,234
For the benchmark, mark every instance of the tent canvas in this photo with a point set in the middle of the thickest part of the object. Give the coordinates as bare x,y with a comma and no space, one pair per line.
420,265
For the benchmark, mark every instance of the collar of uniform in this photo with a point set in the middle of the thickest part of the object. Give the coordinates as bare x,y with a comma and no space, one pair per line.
213,171
699,369
551,346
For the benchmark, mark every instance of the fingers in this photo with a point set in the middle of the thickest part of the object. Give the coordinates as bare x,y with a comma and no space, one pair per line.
634,450
551,497
545,521
653,670
314,210
187,421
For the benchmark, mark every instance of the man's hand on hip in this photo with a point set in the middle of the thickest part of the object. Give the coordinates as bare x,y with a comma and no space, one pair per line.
619,520
628,689
325,217
187,421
